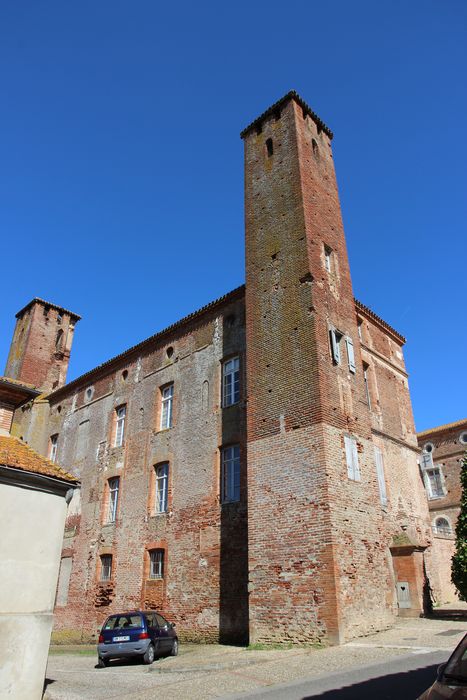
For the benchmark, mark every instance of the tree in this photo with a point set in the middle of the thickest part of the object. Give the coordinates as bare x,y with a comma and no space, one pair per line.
459,559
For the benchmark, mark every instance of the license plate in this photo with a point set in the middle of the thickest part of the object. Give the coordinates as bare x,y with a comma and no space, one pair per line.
121,639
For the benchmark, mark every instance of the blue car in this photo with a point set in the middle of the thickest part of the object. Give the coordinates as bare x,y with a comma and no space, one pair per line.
138,633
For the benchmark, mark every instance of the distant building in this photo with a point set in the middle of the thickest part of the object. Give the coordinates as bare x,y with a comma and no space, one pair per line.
443,449
252,470
34,494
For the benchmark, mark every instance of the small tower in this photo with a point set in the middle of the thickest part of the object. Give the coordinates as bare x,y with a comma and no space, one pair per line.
41,345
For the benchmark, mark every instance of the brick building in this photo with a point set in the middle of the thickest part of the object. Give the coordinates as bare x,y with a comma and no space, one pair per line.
443,449
252,469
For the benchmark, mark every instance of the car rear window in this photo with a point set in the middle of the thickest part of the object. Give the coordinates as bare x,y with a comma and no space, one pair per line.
123,622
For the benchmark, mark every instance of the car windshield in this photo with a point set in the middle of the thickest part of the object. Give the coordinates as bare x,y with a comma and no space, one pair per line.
123,621
457,664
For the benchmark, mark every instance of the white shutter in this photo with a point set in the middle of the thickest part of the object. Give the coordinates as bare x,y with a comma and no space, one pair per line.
351,456
348,456
336,353
356,466
350,354
380,474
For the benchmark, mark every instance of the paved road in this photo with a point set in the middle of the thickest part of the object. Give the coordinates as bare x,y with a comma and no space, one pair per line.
396,664
404,678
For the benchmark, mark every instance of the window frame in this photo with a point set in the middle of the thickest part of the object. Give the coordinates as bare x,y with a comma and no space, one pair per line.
438,480
120,420
335,340
106,565
156,557
230,470
113,493
166,413
161,504
230,391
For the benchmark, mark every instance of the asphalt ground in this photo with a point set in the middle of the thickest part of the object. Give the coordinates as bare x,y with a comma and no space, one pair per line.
403,658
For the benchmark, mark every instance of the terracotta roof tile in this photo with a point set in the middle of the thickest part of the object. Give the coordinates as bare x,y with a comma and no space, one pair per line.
16,454
446,426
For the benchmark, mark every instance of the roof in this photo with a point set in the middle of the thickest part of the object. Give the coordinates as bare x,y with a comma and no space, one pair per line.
377,319
37,300
149,341
291,95
16,454
15,392
442,428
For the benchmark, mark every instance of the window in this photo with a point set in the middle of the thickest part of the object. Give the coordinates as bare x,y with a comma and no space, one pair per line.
53,447
359,328
463,438
367,386
230,474
162,480
269,147
351,456
350,354
426,459
106,567
442,526
434,482
336,337
167,407
231,382
380,474
59,341
156,563
114,485
328,258
120,414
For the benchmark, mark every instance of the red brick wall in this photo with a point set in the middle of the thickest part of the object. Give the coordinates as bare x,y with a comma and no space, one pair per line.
204,589
35,358
318,541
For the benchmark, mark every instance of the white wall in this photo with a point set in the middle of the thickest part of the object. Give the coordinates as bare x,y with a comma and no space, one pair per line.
31,527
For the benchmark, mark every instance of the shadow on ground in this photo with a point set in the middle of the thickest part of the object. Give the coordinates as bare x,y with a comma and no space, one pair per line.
397,686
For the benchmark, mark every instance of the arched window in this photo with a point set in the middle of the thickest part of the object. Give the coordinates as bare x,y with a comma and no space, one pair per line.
443,526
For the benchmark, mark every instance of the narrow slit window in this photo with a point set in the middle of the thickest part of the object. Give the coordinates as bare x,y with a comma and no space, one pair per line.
269,147
53,447
328,258
367,386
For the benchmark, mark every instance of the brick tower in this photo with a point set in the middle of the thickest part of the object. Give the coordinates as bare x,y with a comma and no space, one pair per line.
315,555
41,345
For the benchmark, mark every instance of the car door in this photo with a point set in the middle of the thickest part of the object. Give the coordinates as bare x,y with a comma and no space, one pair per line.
165,636
153,630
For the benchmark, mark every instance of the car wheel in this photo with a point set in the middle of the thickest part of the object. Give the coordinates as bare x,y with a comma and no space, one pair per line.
174,650
149,655
102,663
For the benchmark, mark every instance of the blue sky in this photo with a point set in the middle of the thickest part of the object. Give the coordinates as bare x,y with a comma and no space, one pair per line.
121,186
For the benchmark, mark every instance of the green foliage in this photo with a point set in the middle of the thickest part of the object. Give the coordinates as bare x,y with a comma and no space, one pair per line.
459,560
